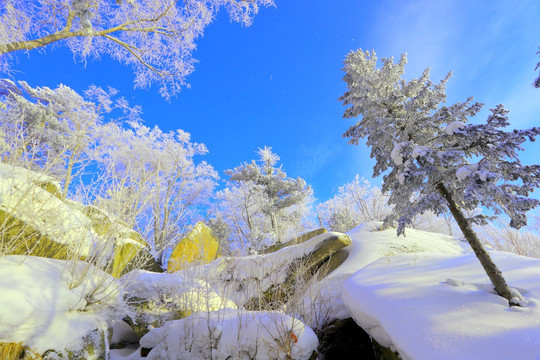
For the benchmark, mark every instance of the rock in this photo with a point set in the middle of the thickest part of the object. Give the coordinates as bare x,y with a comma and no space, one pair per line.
36,220
300,239
344,339
200,246
94,347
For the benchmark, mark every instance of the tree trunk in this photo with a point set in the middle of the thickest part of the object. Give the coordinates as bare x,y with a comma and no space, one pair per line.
492,271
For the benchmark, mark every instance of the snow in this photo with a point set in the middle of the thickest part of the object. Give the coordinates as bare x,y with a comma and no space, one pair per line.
419,151
396,155
465,171
435,306
22,197
174,289
368,244
53,304
454,127
231,334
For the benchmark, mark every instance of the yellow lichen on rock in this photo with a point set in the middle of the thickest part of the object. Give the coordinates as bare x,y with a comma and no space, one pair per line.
199,246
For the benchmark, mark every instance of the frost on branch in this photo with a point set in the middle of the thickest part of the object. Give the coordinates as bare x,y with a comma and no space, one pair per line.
155,37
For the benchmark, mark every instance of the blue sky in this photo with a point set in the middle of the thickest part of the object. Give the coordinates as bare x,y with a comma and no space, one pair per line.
277,82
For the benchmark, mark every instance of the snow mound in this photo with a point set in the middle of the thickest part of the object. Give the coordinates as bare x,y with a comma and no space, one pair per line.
323,301
231,334
430,306
53,304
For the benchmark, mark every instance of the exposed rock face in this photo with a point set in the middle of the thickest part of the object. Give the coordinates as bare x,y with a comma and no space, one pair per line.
35,220
200,246
344,339
300,239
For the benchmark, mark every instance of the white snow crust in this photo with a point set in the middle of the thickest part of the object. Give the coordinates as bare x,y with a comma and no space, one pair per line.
368,244
435,306
231,334
52,304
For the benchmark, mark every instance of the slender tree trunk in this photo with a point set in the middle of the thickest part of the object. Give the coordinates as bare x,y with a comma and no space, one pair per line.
492,271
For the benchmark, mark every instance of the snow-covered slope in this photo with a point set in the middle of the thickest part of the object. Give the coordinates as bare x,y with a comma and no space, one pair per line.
431,306
322,302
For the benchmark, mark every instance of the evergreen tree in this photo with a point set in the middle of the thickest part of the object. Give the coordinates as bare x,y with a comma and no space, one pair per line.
262,202
432,158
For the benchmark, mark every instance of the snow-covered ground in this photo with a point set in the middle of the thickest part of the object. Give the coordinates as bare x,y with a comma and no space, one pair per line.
369,244
442,306
424,295
54,304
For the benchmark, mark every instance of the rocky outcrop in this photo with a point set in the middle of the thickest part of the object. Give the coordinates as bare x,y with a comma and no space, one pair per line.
36,220
298,240
199,246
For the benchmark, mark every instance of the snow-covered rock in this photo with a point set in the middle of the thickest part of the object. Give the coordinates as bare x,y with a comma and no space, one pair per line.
232,334
57,306
434,306
161,297
322,301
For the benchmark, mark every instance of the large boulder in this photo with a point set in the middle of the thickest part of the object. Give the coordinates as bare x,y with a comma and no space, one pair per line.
35,220
200,246
298,240
265,281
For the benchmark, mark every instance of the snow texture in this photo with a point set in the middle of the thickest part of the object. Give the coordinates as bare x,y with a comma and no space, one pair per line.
231,334
454,127
369,244
434,306
53,304
396,154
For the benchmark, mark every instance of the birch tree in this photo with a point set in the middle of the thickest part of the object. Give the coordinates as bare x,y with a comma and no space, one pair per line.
432,158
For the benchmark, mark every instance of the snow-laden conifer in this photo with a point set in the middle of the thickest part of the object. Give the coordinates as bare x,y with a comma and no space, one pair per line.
431,157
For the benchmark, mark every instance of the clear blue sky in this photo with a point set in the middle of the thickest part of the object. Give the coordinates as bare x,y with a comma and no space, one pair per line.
277,82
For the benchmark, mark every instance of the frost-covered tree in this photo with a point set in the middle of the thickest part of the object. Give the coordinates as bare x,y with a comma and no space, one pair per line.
101,153
155,37
151,177
356,202
263,203
431,157
55,130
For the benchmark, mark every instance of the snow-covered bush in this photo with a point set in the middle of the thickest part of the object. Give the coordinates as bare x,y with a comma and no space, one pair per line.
234,334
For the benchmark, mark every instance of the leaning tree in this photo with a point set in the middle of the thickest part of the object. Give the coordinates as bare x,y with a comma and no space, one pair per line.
432,159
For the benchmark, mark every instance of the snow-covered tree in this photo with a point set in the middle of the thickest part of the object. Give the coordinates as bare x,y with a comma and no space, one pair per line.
55,130
151,177
156,37
262,203
431,157
356,202
98,149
